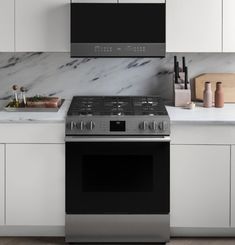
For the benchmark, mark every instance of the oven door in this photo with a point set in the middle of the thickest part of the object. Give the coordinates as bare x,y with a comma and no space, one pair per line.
114,175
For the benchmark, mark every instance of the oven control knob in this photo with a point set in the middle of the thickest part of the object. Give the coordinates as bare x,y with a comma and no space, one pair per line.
153,126
90,125
81,125
162,126
72,125
143,125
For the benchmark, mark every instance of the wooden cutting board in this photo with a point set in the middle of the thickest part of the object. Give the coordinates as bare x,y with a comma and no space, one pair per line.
228,83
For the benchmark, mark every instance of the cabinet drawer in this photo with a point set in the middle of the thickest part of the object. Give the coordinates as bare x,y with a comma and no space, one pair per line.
32,133
202,134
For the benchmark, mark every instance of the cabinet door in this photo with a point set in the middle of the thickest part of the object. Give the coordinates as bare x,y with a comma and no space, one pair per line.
200,180
35,188
42,25
2,180
233,186
194,25
228,26
6,25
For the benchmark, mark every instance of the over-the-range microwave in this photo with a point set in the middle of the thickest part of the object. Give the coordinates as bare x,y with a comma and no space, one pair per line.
118,29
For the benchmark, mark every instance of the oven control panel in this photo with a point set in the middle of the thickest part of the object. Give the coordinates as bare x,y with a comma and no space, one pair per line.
117,126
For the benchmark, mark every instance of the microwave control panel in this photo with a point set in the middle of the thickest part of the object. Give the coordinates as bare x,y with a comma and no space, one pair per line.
117,49
128,48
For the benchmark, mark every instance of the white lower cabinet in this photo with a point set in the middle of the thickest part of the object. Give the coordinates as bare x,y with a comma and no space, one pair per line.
233,186
2,184
35,184
200,184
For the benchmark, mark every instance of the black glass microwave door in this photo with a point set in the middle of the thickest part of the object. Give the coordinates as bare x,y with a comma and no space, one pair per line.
117,178
117,23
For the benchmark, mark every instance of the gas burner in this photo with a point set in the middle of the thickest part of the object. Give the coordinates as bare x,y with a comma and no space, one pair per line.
116,103
117,113
149,103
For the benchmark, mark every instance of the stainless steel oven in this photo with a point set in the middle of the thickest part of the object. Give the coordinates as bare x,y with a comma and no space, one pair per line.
117,188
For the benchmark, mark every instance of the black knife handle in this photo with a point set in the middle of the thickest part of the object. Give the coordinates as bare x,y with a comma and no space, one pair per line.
183,62
186,77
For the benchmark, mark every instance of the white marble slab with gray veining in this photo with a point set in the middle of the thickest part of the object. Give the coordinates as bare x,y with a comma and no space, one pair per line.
59,75
56,74
33,117
202,115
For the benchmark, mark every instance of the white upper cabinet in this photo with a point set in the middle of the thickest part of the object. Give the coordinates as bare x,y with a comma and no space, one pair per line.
228,26
42,25
2,184
6,25
194,25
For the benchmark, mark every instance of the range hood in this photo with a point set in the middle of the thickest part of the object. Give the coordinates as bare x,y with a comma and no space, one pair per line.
118,29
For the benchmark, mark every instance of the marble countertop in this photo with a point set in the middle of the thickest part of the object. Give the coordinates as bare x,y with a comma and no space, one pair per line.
201,115
178,115
28,117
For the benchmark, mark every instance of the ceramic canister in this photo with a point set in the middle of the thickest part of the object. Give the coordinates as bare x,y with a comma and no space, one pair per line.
207,95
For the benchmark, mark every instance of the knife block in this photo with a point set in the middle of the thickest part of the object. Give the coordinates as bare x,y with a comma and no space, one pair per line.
181,96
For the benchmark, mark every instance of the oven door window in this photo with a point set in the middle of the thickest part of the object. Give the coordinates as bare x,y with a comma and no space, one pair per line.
117,178
117,173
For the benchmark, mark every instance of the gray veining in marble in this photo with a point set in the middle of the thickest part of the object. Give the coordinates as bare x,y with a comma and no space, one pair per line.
58,74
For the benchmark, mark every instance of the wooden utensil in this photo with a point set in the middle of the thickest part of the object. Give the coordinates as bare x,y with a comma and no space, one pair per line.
228,83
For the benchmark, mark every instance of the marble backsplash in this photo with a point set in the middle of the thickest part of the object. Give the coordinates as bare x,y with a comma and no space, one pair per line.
57,74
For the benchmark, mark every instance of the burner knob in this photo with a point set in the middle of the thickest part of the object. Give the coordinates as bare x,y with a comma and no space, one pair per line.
162,126
80,125
90,125
143,125
153,126
71,125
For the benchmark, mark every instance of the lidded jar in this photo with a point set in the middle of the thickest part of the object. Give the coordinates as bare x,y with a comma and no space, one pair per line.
207,95
219,95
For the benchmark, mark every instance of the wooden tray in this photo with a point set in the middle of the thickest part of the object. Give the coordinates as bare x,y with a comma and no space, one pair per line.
228,83
33,109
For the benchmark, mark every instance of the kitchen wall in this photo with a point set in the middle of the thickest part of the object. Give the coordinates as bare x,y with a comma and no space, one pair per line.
57,74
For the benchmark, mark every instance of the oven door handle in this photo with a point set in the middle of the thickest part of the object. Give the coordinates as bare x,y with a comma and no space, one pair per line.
117,139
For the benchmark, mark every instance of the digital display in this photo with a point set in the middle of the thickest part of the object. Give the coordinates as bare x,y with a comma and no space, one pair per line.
117,126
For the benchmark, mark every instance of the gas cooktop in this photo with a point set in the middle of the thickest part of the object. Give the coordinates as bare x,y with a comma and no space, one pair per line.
122,115
121,106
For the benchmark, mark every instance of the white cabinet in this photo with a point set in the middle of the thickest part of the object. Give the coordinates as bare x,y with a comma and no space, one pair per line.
42,25
233,186
35,184
228,26
6,25
2,184
200,184
194,25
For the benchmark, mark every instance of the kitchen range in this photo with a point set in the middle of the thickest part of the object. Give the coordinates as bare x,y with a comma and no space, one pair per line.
117,170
